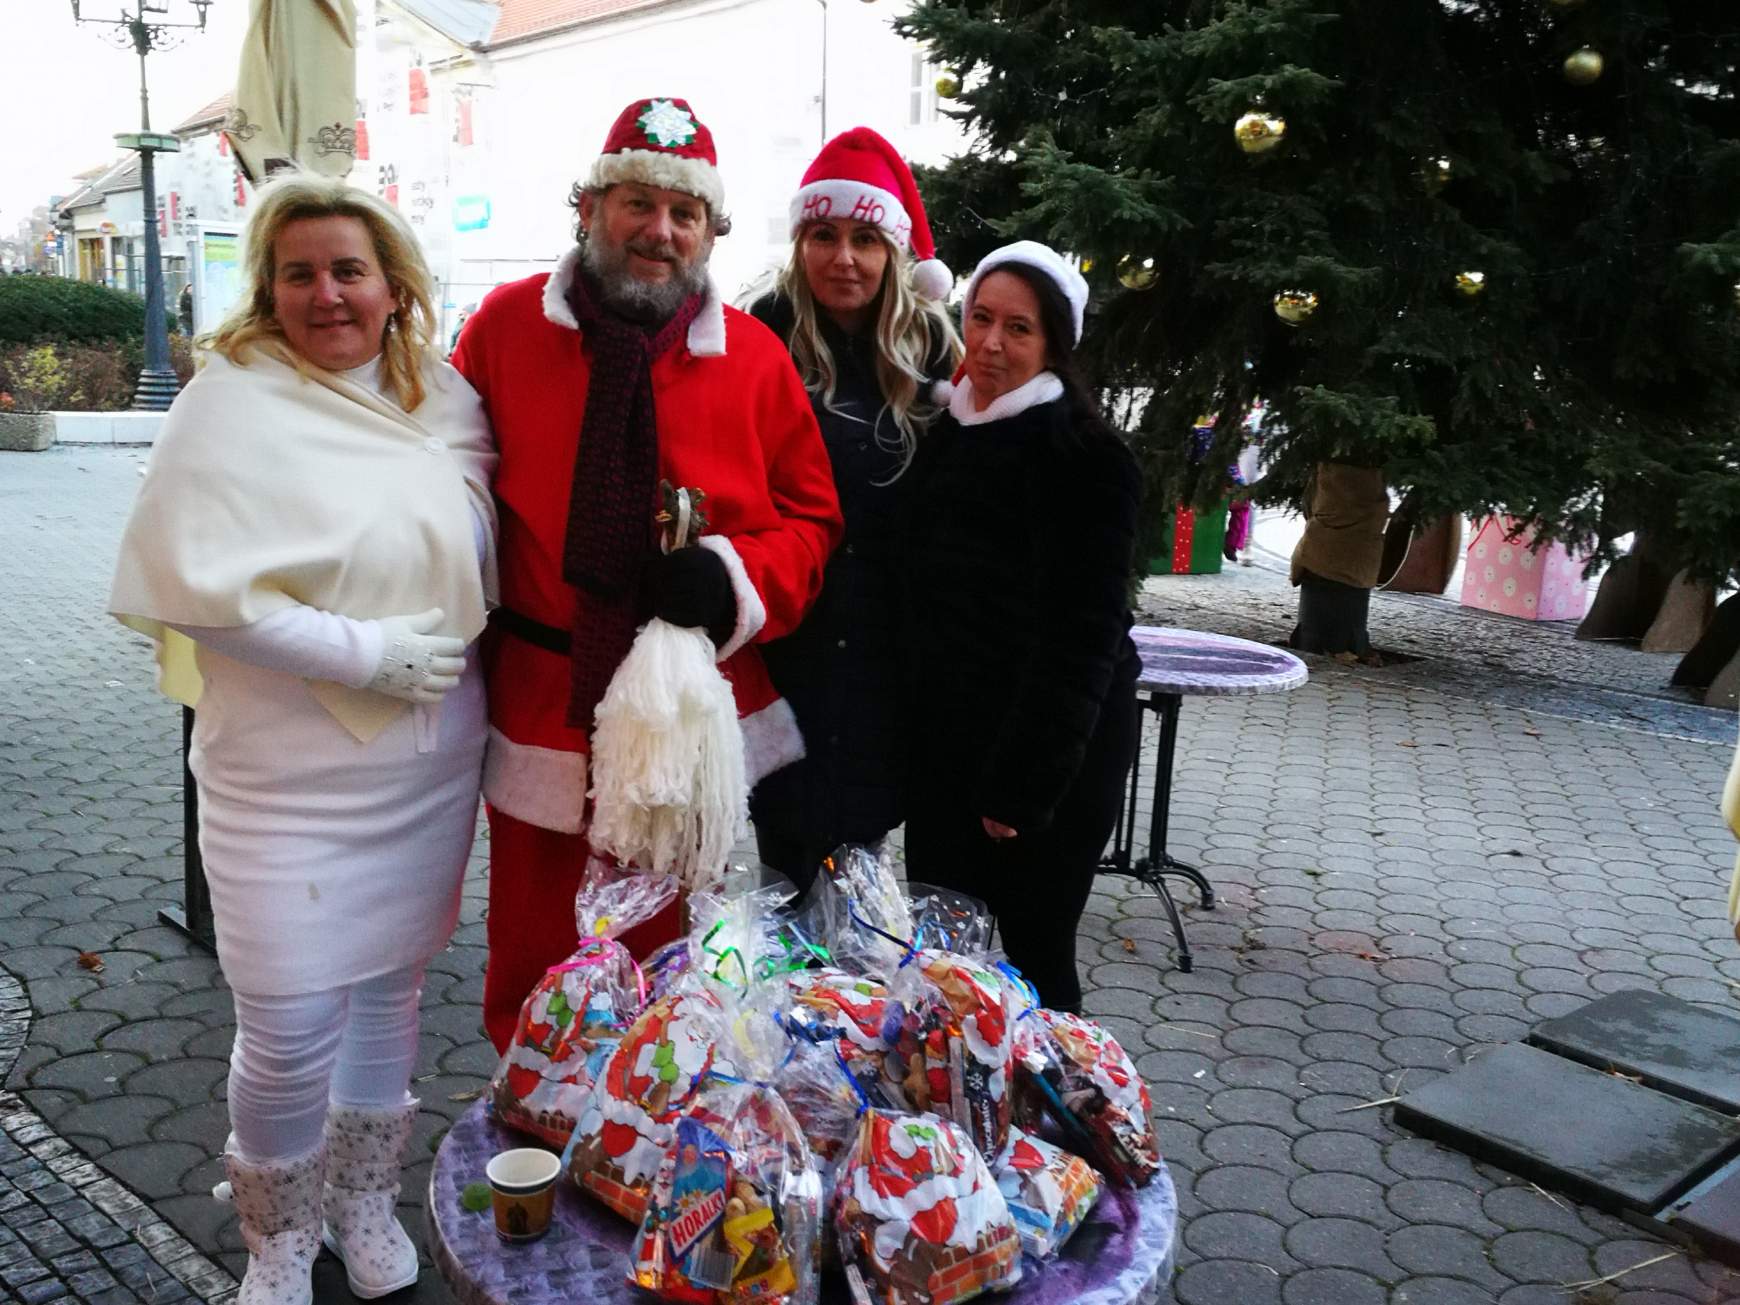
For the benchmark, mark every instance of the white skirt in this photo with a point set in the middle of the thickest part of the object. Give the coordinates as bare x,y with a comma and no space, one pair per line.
330,861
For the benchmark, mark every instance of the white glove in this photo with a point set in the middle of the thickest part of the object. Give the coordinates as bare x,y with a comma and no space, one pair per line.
416,665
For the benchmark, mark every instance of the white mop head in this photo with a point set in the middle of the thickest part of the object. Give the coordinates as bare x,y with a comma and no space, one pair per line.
669,793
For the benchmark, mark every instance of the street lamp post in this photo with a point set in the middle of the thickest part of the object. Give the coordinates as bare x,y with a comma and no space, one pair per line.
143,30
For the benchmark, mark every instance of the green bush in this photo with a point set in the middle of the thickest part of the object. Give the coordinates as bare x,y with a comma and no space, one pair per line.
34,308
80,377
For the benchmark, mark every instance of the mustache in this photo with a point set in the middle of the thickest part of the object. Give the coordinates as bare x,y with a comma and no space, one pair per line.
663,250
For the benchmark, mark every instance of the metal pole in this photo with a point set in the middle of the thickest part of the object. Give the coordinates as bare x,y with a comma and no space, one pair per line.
157,382
193,917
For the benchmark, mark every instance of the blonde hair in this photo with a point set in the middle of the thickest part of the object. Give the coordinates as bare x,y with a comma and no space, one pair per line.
909,331
408,343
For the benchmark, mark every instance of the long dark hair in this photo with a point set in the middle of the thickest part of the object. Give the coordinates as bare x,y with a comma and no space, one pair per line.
1057,320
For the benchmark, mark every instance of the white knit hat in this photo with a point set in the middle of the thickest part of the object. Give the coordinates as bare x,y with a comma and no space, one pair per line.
1042,258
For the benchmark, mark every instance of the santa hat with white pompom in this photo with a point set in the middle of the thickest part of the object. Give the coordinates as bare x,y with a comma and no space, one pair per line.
860,177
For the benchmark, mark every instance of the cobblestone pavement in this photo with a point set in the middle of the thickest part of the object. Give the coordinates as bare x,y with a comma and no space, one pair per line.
1414,862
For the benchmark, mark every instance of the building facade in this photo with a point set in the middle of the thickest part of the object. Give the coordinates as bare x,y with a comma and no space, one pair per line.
478,140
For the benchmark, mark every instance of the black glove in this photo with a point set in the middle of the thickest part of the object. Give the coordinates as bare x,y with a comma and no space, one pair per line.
690,587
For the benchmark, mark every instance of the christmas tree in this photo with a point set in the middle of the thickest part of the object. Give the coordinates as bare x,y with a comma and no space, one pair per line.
1484,252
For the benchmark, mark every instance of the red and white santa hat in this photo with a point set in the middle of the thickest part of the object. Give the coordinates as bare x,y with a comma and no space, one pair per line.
660,142
859,176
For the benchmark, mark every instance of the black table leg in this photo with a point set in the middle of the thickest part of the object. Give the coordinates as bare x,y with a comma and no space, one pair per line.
1152,869
1159,861
193,917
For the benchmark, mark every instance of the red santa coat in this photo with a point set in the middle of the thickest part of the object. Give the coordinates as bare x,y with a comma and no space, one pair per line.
733,420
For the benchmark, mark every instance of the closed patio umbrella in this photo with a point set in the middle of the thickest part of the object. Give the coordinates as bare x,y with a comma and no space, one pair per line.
295,101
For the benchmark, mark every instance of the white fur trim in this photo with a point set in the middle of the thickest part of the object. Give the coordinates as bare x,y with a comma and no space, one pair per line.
932,279
556,307
1043,388
545,787
942,392
771,739
751,611
695,177
707,331
852,201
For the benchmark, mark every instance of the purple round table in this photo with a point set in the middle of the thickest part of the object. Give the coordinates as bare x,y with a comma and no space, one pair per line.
1121,1254
1176,663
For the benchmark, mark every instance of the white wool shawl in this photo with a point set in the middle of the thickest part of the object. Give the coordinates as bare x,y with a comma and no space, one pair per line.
270,486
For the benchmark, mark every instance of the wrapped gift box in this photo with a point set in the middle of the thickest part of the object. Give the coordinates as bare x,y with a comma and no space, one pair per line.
1197,539
1505,574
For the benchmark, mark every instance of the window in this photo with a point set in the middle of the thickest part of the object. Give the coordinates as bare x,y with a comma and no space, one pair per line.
922,94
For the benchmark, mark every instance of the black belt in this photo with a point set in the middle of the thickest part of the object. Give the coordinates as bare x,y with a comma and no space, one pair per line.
536,633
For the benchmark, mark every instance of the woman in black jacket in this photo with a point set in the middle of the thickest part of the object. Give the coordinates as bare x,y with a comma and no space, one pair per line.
858,312
1018,533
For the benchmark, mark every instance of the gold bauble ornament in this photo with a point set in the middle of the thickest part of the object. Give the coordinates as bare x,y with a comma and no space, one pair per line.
1258,132
1584,67
1436,174
1471,285
1137,273
1295,307
1087,265
948,86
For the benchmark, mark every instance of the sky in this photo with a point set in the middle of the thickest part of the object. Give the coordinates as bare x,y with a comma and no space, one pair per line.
65,92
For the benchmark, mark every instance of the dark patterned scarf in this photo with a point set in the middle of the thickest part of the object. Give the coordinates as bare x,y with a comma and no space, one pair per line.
615,491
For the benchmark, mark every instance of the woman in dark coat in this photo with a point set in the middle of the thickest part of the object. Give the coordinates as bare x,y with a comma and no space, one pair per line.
1018,533
856,306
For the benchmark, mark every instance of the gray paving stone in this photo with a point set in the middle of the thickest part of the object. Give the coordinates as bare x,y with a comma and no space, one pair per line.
1320,1286
1646,1148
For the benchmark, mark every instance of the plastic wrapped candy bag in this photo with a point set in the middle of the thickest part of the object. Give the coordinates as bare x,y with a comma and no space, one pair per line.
949,921
1049,1191
947,1030
920,1220
858,910
1088,1084
637,1099
666,969
735,1210
574,1017
813,1082
828,1002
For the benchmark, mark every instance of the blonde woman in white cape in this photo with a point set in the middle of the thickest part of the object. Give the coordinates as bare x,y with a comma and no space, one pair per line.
313,550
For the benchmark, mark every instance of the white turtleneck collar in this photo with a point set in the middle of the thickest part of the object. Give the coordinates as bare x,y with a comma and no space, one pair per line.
367,375
1043,388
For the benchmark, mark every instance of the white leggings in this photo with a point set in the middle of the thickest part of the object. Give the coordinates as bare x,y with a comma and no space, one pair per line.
353,1046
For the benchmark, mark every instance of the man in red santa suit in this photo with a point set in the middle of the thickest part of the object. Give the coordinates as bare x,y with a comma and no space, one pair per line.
621,368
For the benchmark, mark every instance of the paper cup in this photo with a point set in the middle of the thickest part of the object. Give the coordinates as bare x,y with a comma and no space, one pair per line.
522,1186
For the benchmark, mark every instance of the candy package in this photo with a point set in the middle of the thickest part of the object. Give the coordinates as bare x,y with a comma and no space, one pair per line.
920,1221
573,1018
948,1038
1087,1083
642,1091
735,1212
828,1003
1049,1191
